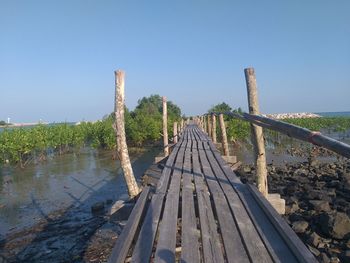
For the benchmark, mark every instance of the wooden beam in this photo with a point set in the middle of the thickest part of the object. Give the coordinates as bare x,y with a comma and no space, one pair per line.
257,132
213,118
175,132
223,135
165,128
119,128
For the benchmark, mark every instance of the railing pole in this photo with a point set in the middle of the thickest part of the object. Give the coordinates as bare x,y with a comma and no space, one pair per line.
223,135
119,128
209,126
165,128
257,132
175,132
213,118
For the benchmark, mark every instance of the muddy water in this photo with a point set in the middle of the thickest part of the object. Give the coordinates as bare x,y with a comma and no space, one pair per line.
68,181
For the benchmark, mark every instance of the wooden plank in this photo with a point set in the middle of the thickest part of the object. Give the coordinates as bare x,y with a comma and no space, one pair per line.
143,248
189,238
273,241
233,244
166,244
255,247
211,244
164,180
278,248
121,248
295,244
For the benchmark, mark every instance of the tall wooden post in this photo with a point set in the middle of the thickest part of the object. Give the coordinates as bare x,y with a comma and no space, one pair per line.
223,135
165,128
213,118
257,132
175,132
209,126
119,128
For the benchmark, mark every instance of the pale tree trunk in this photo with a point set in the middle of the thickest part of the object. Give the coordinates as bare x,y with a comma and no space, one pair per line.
175,132
223,135
257,132
119,128
213,126
165,128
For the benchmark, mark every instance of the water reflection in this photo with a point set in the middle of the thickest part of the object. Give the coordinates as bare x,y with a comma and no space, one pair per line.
27,195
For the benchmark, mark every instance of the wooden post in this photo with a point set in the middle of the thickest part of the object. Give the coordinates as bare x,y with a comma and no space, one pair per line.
257,132
175,132
223,135
165,128
213,118
209,126
119,128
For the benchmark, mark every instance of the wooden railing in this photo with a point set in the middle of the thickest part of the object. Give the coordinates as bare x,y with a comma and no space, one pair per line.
208,121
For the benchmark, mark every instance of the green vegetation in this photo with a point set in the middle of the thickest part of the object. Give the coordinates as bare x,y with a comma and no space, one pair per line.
3,123
236,129
143,125
324,123
220,108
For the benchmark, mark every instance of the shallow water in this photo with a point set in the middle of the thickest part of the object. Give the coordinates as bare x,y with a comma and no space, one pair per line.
71,180
277,145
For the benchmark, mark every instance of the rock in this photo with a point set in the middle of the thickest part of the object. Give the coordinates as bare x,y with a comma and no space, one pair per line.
318,195
120,211
314,239
323,258
336,225
335,260
98,207
292,208
345,256
314,250
247,169
320,205
300,226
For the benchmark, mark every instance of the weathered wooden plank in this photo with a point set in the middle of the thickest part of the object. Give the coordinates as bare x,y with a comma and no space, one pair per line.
273,241
166,243
189,238
211,244
121,248
294,243
143,248
164,180
233,244
255,247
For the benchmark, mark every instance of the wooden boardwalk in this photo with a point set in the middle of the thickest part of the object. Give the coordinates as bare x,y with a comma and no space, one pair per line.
201,212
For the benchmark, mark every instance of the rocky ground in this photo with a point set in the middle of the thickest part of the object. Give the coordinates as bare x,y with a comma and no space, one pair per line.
317,204
75,234
65,236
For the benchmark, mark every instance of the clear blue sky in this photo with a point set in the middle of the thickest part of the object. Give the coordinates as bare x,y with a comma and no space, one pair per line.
57,57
